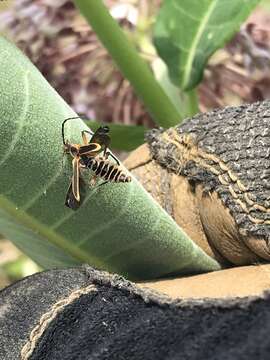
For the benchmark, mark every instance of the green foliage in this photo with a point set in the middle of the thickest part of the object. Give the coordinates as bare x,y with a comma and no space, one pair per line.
124,137
20,268
187,32
265,4
132,66
118,228
186,102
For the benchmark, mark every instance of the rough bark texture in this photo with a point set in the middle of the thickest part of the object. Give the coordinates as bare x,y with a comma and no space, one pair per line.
221,160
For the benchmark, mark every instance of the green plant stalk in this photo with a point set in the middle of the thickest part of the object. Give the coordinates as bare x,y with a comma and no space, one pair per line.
192,102
133,67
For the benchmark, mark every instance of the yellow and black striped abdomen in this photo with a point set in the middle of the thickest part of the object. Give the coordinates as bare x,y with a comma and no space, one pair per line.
107,170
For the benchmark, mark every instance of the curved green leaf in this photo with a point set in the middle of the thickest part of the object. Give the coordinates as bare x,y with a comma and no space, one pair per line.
118,228
187,32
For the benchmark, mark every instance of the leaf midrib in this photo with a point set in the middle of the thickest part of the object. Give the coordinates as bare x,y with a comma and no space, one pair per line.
35,226
194,44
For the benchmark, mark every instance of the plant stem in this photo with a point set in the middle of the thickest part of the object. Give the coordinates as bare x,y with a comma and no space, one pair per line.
130,63
192,102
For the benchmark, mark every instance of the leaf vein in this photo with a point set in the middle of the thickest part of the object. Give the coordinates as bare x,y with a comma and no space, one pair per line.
21,123
194,44
184,12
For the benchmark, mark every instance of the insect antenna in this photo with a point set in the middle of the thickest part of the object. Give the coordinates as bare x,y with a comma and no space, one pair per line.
63,126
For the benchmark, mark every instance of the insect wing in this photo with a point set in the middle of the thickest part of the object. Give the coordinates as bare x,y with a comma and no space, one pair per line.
91,149
76,178
71,201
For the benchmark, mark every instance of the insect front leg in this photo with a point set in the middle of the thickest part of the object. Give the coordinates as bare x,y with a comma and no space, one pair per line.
84,138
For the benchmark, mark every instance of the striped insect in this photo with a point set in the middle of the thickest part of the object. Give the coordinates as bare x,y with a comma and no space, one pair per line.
83,156
88,149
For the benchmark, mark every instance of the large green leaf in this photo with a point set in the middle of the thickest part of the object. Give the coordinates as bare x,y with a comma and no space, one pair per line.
119,227
187,32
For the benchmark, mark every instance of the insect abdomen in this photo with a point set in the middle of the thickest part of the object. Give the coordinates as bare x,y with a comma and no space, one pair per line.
107,170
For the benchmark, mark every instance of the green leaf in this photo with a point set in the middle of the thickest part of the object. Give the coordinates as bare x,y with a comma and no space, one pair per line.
186,101
118,228
187,32
175,94
124,137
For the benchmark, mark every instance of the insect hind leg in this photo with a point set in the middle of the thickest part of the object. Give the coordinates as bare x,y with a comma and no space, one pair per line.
108,153
104,182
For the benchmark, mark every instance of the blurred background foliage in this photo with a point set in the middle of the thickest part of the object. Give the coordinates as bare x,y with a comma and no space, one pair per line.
60,43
